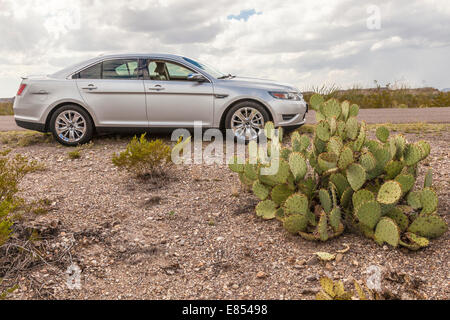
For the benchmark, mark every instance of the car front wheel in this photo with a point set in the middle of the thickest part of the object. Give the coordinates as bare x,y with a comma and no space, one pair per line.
71,125
247,120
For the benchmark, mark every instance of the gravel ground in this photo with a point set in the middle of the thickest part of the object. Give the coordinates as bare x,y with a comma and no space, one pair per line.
194,235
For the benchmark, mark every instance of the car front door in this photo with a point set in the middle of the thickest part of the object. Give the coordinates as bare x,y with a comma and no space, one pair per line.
172,99
114,90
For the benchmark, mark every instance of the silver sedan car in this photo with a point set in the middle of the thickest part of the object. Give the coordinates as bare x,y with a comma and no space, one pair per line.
140,92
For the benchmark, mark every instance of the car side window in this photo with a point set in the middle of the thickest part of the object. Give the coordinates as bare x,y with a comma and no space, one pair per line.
167,71
93,72
120,69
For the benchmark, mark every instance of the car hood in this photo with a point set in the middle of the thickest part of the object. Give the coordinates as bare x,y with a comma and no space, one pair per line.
258,83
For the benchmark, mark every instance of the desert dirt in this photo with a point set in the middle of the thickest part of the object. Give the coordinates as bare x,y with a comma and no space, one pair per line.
194,235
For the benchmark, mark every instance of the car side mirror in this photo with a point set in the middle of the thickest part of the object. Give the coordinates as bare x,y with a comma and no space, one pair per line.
196,77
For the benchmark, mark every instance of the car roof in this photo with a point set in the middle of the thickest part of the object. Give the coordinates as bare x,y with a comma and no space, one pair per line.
64,73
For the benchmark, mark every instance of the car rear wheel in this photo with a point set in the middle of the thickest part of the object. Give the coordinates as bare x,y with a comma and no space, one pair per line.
247,120
71,125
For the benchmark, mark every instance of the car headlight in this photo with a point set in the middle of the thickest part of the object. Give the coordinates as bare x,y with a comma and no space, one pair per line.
286,95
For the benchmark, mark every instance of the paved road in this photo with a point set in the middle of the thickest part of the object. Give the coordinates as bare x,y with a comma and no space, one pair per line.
431,115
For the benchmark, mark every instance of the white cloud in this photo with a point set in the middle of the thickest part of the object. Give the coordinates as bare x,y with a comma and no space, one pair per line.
303,42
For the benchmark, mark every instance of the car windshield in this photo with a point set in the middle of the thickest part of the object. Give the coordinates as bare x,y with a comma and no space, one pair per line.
208,69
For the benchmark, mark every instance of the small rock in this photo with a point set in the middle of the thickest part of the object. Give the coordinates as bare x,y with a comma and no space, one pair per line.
339,257
311,278
235,286
329,266
355,263
220,238
261,275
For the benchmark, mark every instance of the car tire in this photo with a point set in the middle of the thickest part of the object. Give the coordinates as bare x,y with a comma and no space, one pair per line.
242,106
78,123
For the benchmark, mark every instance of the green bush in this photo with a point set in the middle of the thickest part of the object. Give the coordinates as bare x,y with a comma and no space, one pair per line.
351,182
12,170
6,109
144,158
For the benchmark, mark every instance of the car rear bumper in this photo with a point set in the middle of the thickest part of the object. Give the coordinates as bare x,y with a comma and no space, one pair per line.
31,125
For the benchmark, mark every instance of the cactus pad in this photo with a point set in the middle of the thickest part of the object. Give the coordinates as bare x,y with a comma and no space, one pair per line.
387,231
280,193
327,161
399,217
345,107
406,182
335,145
368,161
316,101
251,171
425,148
325,200
244,180
414,199
356,176
296,204
269,130
295,223
382,134
412,154
362,196
331,109
369,213
393,168
431,226
266,209
351,128
389,193
340,182
298,165
260,190
346,197
428,182
345,158
236,164
353,111
335,218
429,200
322,227
323,131
359,142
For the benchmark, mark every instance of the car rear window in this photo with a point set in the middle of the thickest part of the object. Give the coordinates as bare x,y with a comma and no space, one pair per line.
93,72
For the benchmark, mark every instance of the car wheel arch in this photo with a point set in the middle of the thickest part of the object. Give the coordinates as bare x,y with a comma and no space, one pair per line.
228,108
63,104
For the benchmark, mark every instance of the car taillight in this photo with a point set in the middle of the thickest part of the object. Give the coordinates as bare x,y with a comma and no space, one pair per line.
21,88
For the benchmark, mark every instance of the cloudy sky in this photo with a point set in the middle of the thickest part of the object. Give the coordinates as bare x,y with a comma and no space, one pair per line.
307,43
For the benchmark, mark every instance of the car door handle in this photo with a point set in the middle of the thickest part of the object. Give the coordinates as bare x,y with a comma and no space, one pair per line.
157,88
90,87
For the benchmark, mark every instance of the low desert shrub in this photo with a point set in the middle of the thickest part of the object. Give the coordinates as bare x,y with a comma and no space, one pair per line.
144,158
6,109
342,180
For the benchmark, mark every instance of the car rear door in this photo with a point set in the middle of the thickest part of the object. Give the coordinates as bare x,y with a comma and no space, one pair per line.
114,90
172,99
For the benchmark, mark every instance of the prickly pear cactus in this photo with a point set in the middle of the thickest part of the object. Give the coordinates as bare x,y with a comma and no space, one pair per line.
343,179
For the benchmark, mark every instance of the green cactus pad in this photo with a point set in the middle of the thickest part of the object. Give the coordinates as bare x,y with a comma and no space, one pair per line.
308,236
316,101
429,200
428,182
400,143
393,168
351,128
345,107
387,231
406,182
341,129
295,223
356,176
269,130
412,154
420,241
368,161
362,196
414,199
260,190
345,158
389,193
280,193
335,218
428,226
399,217
298,165
285,153
327,161
335,145
331,109
340,182
251,171
373,145
280,177
266,209
359,142
307,186
319,145
353,111
425,148
382,134
236,164
369,213
325,200
279,215
323,131
322,227
346,197
296,204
